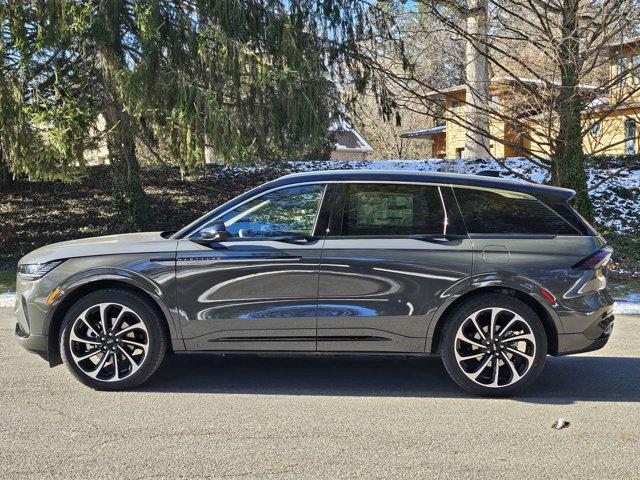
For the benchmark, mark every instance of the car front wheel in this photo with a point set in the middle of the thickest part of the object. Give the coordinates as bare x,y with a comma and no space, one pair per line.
494,345
112,339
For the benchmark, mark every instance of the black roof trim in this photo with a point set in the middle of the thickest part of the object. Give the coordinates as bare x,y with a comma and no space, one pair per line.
545,192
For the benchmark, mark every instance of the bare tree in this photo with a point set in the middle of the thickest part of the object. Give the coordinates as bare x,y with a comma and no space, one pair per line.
384,134
551,60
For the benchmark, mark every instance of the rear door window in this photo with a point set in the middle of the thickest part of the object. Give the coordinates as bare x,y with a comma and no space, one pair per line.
391,209
502,212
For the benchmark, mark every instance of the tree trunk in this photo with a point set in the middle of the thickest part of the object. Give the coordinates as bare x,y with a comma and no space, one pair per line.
129,199
568,163
6,177
477,81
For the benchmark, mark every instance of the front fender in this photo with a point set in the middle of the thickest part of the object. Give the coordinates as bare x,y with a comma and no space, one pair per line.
82,279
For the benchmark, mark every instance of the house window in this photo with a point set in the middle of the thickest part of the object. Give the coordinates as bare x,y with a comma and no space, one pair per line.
596,128
455,108
630,136
635,65
623,63
459,153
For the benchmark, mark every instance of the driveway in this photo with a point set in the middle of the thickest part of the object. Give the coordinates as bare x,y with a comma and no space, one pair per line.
207,416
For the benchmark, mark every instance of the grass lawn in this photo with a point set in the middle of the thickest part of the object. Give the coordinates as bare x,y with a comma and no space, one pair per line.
7,282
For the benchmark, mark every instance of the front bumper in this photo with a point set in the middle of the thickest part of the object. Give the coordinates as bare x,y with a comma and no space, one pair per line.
38,344
30,312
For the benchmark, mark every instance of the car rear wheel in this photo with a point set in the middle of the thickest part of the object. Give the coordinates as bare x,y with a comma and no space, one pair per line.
494,345
112,339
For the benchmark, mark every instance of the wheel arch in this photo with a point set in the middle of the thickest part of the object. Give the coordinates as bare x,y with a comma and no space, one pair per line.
75,292
548,322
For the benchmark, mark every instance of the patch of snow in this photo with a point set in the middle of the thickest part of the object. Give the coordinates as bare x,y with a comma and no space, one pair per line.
625,308
629,304
7,300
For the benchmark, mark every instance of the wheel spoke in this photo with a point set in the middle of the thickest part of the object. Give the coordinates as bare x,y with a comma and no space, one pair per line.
144,346
96,371
505,329
74,337
518,338
480,369
514,372
463,338
134,364
130,328
118,320
116,367
492,327
103,317
522,354
496,371
474,320
473,355
83,319
86,355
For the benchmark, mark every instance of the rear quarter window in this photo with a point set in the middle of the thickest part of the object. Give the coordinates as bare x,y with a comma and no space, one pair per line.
494,212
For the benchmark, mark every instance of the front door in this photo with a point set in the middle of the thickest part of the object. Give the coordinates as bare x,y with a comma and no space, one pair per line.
392,253
258,289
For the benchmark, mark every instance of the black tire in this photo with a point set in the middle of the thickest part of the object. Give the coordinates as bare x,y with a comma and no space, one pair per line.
530,369
155,338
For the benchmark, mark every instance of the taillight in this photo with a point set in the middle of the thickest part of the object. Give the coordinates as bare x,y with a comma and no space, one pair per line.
596,260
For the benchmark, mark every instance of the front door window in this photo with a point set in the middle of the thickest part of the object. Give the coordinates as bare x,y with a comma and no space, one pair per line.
288,211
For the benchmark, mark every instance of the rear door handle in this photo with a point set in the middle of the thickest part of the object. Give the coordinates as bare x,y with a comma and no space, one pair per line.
438,239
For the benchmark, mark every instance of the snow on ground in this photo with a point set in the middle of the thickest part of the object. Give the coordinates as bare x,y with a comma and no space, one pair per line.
628,305
7,300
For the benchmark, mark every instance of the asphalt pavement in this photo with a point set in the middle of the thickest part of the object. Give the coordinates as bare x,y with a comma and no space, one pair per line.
205,416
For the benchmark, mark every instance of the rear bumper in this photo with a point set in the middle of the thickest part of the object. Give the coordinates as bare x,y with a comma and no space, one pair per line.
581,344
593,338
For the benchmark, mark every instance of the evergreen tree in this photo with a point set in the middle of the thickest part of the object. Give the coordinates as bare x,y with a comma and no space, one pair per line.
243,80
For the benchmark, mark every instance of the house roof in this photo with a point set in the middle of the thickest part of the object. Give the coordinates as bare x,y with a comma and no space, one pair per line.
427,132
347,139
624,43
504,81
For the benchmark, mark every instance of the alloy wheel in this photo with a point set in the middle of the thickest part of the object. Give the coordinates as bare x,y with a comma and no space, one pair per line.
495,347
109,342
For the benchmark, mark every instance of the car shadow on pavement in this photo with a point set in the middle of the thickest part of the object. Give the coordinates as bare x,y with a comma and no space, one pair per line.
564,380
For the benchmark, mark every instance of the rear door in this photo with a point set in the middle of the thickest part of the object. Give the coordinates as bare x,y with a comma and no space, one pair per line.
392,252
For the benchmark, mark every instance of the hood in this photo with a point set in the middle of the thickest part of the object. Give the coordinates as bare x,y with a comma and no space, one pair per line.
144,242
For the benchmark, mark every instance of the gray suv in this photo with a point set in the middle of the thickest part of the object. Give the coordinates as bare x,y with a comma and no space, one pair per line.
492,274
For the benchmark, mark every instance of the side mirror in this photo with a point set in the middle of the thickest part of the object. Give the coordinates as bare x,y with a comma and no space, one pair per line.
214,233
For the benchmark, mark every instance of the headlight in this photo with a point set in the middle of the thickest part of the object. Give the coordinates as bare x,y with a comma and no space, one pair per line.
34,271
